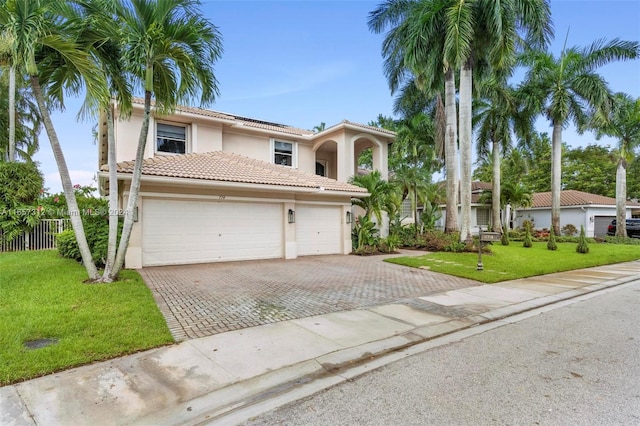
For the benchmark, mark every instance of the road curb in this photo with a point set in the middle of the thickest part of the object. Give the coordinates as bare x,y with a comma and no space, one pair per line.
243,400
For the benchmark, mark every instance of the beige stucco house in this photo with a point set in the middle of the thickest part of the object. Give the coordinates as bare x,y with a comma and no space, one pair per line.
221,187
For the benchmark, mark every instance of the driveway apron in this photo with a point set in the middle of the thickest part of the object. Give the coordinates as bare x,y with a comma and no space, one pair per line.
206,299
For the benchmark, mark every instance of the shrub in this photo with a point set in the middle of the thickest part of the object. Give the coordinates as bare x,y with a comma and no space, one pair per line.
622,240
551,244
527,242
582,246
389,244
569,230
504,239
366,233
67,245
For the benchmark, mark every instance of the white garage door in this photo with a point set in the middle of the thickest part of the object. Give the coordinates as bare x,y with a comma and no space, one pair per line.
179,232
318,229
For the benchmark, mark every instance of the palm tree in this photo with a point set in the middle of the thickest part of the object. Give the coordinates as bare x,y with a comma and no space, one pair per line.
101,31
623,123
415,147
567,88
44,47
516,195
170,50
379,190
414,53
491,32
497,115
28,123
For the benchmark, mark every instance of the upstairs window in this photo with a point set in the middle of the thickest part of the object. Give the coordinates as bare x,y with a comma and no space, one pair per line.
284,153
171,138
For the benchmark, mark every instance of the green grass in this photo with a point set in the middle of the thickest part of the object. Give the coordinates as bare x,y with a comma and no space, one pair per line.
514,261
43,296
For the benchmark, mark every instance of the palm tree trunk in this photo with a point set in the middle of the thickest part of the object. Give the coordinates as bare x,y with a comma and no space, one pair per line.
67,186
621,198
451,158
134,190
12,113
556,176
466,75
108,275
495,188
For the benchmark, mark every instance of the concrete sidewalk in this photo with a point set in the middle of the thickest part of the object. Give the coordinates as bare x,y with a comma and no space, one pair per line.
209,379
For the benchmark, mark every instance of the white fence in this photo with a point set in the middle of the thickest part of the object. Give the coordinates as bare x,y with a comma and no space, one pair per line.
42,237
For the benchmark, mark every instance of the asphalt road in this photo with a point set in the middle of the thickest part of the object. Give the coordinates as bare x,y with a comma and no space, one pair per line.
578,364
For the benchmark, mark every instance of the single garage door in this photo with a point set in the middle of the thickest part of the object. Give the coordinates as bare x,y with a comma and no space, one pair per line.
318,229
601,224
177,231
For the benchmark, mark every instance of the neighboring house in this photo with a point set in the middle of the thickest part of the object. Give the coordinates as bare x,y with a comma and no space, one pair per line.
480,212
220,187
594,212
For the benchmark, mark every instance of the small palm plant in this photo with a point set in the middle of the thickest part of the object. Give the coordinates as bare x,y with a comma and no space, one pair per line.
582,247
504,239
551,244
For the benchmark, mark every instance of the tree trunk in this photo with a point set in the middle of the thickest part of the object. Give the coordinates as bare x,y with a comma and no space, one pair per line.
466,75
12,113
108,275
556,176
134,190
451,158
495,188
621,198
67,186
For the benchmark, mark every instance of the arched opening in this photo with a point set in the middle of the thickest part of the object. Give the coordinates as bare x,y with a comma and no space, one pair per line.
327,159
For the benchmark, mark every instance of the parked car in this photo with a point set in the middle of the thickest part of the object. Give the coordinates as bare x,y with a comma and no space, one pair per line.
633,228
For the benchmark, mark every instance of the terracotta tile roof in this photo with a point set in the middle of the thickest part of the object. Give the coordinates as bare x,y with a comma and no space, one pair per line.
364,126
227,167
575,198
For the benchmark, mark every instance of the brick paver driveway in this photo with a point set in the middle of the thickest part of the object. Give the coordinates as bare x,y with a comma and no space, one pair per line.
205,299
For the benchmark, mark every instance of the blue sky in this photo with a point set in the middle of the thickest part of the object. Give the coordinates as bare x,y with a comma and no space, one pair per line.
305,62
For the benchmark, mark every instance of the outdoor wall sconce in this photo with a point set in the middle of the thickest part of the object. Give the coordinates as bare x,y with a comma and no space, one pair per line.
292,216
349,217
590,219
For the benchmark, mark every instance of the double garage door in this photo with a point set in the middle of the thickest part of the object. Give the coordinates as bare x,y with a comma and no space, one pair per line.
179,231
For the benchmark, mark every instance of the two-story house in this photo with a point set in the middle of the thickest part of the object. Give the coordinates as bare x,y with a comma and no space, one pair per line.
221,187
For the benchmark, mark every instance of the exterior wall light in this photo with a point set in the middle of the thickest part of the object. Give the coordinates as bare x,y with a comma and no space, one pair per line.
349,217
292,216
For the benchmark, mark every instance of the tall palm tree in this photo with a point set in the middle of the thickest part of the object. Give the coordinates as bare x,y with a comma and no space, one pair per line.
622,123
568,88
44,47
28,123
170,50
101,31
497,114
491,32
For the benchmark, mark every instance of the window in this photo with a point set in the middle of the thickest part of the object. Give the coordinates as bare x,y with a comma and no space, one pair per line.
482,216
405,209
321,168
171,139
284,153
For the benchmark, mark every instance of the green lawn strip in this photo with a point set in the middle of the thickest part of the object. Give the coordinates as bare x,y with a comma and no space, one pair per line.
43,296
514,261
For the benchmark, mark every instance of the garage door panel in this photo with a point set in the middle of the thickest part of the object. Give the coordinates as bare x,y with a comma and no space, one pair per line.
180,231
318,229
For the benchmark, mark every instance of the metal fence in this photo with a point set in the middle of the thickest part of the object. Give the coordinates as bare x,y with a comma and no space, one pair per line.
42,237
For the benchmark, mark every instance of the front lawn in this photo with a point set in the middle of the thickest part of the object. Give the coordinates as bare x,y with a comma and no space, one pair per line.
42,296
514,261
